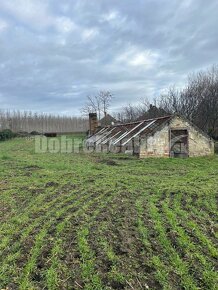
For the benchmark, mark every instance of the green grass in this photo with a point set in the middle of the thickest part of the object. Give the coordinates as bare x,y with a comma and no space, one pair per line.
104,221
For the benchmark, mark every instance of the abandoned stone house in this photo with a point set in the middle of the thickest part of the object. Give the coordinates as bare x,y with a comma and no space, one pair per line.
169,136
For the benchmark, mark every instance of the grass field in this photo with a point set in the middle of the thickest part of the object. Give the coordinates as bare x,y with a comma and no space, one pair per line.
77,221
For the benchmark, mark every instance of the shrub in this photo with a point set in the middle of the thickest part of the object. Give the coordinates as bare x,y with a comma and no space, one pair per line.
22,134
6,134
34,133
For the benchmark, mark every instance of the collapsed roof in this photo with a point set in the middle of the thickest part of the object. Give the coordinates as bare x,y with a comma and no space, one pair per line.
122,134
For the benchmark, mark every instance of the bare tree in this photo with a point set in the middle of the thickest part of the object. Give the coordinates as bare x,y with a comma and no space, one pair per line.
198,101
28,122
145,109
91,106
99,103
105,98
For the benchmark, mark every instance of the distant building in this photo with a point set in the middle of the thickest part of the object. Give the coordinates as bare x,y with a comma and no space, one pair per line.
107,120
169,136
153,112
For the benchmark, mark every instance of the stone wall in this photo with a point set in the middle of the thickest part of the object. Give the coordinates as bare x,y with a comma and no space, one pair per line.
158,145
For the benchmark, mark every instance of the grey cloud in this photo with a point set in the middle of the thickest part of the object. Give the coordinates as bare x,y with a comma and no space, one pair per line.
79,47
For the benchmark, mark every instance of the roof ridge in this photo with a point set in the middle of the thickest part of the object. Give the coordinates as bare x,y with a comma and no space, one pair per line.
145,120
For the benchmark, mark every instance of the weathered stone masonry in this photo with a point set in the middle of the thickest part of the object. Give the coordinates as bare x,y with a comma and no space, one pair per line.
158,144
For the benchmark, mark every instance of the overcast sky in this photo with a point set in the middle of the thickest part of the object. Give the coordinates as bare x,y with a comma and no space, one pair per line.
53,53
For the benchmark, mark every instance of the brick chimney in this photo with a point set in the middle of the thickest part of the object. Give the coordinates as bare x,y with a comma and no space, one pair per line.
93,123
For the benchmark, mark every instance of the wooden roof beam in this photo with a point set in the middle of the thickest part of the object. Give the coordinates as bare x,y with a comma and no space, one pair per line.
140,131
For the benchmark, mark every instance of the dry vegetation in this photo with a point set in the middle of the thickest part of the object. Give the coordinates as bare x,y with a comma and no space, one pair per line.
76,221
28,121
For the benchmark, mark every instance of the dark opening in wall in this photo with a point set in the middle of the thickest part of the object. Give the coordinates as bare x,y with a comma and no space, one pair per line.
179,143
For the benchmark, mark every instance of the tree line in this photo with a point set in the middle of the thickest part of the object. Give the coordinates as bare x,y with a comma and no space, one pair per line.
27,121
